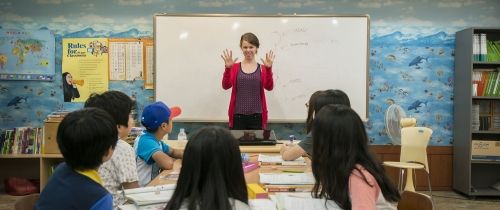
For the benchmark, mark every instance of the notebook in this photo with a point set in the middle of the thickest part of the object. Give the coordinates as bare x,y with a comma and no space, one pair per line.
255,137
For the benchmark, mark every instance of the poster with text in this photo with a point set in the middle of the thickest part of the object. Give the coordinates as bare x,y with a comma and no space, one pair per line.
84,68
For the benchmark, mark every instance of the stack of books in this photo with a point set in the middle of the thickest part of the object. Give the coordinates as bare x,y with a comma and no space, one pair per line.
57,115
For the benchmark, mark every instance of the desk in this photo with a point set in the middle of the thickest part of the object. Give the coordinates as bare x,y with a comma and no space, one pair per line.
250,177
181,144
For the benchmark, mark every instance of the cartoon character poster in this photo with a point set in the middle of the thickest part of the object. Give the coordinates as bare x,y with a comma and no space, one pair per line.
84,68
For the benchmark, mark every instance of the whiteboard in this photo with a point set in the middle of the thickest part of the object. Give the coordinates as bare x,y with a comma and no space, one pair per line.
312,53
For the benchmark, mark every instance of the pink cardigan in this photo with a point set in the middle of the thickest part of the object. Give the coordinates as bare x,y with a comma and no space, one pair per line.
229,80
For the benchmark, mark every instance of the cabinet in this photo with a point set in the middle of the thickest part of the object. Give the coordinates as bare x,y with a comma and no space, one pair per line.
35,166
474,177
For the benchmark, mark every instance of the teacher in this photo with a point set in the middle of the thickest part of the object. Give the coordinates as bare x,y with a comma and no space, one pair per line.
248,79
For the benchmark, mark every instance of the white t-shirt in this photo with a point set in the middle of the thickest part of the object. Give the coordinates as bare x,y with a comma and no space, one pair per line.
145,146
119,169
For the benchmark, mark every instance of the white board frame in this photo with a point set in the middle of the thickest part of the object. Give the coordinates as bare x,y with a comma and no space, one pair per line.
164,82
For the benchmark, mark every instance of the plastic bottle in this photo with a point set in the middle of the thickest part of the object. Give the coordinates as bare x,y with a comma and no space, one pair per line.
182,135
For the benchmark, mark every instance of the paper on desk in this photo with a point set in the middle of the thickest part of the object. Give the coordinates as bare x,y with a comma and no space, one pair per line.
147,198
286,178
150,189
299,201
150,195
146,207
278,160
262,204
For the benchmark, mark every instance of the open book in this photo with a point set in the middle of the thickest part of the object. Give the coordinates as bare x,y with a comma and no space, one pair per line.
287,178
150,195
299,201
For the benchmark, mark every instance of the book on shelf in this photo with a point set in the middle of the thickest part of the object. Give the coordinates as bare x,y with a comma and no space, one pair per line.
21,140
493,51
475,47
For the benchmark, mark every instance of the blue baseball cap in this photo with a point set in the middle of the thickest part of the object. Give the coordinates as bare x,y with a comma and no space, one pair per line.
157,113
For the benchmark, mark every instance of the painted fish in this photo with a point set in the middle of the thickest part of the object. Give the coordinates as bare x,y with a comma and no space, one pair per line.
416,104
17,100
417,60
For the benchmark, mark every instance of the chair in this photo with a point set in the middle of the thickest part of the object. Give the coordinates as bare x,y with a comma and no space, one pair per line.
414,141
415,201
26,202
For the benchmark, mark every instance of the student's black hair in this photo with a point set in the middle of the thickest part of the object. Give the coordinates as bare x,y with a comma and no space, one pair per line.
211,172
84,136
322,98
153,130
340,143
117,104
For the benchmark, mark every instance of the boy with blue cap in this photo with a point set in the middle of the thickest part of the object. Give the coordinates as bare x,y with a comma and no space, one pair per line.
153,155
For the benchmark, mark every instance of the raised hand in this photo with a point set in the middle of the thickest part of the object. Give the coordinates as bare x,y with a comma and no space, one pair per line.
268,62
227,56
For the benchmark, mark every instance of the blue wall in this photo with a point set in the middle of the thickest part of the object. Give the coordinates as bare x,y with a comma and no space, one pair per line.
411,55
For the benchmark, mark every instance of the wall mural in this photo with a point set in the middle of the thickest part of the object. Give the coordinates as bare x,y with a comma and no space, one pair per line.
410,64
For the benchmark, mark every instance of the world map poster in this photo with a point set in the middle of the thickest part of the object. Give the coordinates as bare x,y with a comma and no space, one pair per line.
27,55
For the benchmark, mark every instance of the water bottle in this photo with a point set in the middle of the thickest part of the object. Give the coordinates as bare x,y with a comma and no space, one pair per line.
182,135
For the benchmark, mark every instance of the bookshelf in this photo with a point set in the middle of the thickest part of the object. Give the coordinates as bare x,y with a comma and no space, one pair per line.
476,115
35,166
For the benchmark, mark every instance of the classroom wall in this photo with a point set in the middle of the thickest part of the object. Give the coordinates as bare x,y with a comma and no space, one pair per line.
411,55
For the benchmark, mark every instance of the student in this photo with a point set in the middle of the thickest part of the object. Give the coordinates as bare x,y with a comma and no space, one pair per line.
121,171
211,176
86,139
343,167
248,79
316,102
69,88
153,155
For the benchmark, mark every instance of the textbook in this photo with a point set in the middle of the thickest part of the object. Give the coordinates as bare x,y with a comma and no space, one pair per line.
286,178
150,195
288,188
256,191
277,160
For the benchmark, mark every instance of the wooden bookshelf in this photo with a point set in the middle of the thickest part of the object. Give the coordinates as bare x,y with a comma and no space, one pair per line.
35,166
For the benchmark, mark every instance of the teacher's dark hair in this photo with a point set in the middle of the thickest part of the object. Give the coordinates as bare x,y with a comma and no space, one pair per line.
211,172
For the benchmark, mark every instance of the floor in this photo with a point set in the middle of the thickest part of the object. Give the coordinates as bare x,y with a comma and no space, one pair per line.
442,200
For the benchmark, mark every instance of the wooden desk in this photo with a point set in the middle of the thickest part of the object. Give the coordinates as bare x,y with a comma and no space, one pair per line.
250,177
245,149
